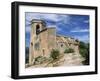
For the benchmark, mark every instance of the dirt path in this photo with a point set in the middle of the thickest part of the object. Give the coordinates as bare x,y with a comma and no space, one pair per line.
72,60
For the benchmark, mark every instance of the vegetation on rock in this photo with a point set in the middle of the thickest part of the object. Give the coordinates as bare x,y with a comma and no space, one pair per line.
84,51
69,50
40,60
54,54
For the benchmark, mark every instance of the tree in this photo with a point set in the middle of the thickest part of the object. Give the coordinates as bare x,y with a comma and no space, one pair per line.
84,51
54,54
26,54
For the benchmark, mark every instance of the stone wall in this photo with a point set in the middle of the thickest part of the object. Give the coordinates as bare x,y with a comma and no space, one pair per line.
42,43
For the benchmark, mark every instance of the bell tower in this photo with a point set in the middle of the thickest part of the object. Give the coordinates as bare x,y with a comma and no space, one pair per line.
36,27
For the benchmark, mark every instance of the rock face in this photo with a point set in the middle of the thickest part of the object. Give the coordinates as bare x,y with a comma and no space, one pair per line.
67,42
72,60
43,40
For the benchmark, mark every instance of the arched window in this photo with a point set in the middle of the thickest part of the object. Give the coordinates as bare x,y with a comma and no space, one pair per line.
37,29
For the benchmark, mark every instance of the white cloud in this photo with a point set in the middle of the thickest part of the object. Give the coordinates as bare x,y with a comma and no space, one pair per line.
80,30
30,16
86,21
28,29
51,17
63,19
57,28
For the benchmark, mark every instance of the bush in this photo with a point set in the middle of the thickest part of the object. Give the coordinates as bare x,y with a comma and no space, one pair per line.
39,60
76,40
84,51
69,50
54,54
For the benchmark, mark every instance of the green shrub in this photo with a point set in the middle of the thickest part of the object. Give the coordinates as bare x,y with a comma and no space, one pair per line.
54,54
69,50
84,51
39,60
76,40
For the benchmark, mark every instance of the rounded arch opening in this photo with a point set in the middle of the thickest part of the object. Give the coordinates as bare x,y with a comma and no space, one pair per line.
37,29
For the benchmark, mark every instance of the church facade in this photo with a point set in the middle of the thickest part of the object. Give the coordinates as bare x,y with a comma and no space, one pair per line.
44,39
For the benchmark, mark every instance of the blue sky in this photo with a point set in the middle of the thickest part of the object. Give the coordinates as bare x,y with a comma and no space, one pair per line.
75,26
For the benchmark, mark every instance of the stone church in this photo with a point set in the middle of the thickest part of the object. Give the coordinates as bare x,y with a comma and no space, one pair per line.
44,39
